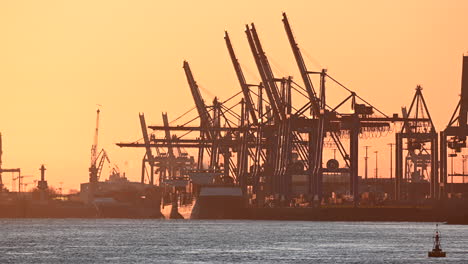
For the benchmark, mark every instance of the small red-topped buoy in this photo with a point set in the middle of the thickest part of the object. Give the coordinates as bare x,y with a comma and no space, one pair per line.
437,249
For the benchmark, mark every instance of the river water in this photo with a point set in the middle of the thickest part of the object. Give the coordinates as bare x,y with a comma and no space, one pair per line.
224,241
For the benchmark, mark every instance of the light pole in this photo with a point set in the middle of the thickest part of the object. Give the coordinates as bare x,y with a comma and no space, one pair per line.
451,181
452,155
391,159
376,165
61,189
365,162
463,168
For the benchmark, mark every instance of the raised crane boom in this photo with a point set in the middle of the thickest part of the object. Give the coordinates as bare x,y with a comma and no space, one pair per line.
103,157
464,95
302,67
256,52
268,73
206,120
149,154
94,147
170,151
240,76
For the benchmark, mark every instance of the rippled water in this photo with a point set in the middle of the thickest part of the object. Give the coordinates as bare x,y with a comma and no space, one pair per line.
189,241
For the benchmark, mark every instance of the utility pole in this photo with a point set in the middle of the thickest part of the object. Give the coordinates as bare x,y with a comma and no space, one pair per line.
365,162
451,156
61,188
391,159
463,168
376,165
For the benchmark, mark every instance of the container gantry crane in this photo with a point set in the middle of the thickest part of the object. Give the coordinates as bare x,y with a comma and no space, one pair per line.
271,132
455,134
97,158
2,170
418,134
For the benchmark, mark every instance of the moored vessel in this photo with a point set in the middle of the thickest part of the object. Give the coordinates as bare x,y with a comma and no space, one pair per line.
219,202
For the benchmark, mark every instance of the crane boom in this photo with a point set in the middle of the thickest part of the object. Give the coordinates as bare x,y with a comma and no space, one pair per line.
170,151
94,147
103,157
261,71
302,67
149,154
206,121
270,78
205,117
240,76
464,95
144,131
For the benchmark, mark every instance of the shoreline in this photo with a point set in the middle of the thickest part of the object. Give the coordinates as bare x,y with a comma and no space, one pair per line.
345,214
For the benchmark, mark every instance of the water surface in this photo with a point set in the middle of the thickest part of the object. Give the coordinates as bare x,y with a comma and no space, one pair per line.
224,241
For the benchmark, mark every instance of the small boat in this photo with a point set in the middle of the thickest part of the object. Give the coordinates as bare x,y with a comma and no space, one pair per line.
437,249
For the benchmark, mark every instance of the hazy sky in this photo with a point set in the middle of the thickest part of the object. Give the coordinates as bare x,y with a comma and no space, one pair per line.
60,59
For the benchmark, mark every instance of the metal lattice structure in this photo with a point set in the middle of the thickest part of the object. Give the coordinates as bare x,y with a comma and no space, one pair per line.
267,139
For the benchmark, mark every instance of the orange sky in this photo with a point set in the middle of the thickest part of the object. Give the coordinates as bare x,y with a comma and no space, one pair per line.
59,59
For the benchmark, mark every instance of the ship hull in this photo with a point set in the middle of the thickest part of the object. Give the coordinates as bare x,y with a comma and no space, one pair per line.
219,203
122,210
